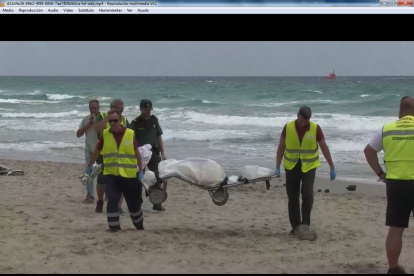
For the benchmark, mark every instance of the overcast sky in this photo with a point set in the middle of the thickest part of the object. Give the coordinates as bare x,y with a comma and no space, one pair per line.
206,58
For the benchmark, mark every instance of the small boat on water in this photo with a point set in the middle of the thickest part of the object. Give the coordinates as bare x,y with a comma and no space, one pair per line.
332,76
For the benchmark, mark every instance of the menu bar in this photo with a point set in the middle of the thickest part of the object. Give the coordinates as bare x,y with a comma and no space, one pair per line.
216,10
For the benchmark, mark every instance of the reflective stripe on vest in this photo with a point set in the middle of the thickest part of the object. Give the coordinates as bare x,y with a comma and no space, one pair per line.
123,120
307,151
398,144
120,161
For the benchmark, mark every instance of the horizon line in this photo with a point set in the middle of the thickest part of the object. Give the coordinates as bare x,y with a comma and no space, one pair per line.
201,76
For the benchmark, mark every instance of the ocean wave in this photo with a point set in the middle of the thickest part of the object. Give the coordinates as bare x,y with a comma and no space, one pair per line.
44,115
30,102
41,125
203,135
333,121
34,93
313,91
40,146
62,96
293,103
87,105
365,95
104,98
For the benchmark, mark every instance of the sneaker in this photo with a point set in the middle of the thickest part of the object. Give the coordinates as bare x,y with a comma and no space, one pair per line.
158,207
396,270
99,207
88,200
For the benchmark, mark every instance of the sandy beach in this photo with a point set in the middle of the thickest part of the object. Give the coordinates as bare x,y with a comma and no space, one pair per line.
45,228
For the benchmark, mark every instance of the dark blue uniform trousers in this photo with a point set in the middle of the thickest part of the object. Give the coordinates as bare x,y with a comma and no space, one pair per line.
131,188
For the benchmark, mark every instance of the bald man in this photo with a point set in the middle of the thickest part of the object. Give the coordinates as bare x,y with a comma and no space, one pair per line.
397,141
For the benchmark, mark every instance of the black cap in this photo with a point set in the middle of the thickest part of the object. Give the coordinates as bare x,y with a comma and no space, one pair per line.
145,104
305,111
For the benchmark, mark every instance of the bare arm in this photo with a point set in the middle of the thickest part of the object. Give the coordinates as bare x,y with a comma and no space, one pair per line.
82,131
280,151
372,158
99,127
326,153
94,156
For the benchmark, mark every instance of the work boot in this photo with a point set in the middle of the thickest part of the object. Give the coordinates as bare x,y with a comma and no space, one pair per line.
140,226
158,207
99,207
114,229
396,270
306,233
294,232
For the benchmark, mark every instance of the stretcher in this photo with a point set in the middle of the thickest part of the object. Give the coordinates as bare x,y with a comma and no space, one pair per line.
217,184
219,195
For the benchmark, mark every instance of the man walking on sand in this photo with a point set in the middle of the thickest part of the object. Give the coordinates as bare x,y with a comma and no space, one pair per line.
120,158
397,141
102,124
148,131
298,146
86,127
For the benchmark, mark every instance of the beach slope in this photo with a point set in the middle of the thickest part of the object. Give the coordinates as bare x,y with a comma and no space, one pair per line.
45,228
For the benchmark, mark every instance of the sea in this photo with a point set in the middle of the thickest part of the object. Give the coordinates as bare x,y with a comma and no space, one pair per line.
235,121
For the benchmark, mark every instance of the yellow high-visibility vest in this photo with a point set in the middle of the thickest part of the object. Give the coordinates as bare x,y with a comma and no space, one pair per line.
123,120
120,161
398,145
307,151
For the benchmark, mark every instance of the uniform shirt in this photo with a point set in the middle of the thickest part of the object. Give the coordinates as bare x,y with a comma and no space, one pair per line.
118,139
90,136
302,130
376,141
146,131
100,118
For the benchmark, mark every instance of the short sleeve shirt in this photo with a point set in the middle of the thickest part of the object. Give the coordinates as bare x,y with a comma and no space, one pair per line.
146,131
376,141
91,137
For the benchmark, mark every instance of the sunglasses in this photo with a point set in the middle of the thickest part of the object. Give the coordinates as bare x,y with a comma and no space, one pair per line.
113,121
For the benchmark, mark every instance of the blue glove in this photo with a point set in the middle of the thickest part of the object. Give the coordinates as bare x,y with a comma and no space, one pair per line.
141,175
333,174
88,170
277,172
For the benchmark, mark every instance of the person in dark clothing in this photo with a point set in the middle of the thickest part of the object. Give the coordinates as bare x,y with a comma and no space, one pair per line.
298,146
148,131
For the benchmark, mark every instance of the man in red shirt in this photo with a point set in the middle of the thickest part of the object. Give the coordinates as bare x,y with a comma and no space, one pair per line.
120,171
295,175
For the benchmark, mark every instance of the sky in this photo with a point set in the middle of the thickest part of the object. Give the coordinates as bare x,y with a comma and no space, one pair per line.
216,58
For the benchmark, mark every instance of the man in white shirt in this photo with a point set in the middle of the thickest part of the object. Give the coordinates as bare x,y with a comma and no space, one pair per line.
91,138
397,141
